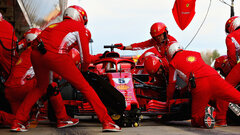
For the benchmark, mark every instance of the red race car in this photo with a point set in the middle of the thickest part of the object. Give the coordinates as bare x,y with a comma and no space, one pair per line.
136,94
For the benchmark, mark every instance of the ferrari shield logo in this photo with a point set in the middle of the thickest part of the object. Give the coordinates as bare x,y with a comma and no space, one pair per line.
191,59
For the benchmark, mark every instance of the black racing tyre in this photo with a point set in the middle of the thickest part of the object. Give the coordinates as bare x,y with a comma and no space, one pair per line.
67,92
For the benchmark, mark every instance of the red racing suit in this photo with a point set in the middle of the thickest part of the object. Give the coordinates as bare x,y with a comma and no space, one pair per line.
233,76
56,39
8,39
151,42
20,82
233,53
209,85
233,47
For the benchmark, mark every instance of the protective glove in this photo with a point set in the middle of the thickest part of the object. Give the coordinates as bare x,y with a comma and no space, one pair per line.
22,44
56,77
120,46
53,89
54,85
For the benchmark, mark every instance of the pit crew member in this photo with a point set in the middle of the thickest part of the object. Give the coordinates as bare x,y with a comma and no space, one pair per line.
49,53
205,84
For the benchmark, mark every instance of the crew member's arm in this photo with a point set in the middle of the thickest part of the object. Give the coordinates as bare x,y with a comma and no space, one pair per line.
85,56
137,46
231,52
93,57
121,47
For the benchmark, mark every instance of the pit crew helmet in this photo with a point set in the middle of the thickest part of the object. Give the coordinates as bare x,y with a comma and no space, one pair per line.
232,24
152,64
76,13
31,34
172,48
222,64
157,29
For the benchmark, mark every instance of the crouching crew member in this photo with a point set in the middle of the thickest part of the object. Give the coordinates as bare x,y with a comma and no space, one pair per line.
205,84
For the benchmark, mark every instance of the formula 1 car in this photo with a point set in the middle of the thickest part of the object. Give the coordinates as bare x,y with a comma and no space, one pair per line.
111,78
118,72
141,97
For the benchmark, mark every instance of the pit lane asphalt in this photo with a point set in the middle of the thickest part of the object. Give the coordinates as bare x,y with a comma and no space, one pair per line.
147,127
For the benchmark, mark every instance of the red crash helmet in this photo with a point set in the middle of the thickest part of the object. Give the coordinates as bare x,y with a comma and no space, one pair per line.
74,53
31,34
76,13
222,64
232,24
88,34
172,48
152,64
158,29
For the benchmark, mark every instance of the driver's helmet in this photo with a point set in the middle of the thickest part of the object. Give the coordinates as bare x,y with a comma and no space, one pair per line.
110,67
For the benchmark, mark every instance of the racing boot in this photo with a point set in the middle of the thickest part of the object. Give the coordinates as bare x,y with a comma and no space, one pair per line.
209,118
67,122
110,127
18,126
